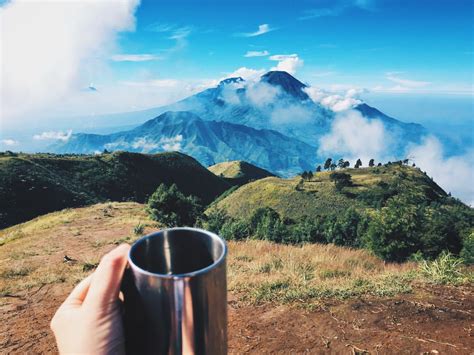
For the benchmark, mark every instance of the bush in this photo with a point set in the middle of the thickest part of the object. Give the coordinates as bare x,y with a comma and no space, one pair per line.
467,251
266,223
171,207
394,233
341,180
445,269
346,229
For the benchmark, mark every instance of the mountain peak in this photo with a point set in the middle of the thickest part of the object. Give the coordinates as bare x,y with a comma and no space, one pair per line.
287,82
234,80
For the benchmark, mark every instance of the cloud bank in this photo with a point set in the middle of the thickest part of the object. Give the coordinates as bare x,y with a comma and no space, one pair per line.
54,135
48,47
352,136
333,101
287,62
454,174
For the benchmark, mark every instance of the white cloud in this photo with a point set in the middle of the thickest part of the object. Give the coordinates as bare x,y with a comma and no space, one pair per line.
251,54
352,136
261,94
9,142
247,74
406,82
287,62
337,8
134,57
146,145
262,29
290,114
172,143
454,174
54,135
333,101
48,47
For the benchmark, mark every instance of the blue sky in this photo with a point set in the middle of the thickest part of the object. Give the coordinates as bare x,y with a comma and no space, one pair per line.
423,46
138,55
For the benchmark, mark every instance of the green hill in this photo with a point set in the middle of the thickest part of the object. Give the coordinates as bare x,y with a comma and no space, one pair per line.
35,184
394,210
293,199
239,172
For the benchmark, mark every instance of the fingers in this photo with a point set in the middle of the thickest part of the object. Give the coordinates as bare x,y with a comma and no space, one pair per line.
105,284
76,297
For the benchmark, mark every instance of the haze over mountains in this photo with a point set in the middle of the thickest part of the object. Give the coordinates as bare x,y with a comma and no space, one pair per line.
275,122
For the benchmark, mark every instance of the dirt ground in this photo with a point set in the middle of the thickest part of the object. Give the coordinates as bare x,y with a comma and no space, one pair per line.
431,320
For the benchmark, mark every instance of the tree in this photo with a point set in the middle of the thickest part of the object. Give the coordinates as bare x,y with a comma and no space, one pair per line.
265,223
318,169
358,164
405,161
394,232
341,163
304,175
379,164
371,162
333,167
327,163
346,164
340,180
171,207
310,175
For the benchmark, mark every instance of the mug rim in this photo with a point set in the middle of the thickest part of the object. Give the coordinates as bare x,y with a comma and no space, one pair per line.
197,272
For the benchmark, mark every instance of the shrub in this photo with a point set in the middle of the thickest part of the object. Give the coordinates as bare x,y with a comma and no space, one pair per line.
266,223
138,229
445,269
340,180
394,233
467,251
171,207
346,229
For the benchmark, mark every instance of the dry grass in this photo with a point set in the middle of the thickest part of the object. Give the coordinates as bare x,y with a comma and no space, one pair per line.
258,271
31,253
261,271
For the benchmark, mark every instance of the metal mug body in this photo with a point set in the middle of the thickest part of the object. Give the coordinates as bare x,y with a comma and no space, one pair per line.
176,297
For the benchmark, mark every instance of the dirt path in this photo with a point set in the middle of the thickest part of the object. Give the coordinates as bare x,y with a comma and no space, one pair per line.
35,280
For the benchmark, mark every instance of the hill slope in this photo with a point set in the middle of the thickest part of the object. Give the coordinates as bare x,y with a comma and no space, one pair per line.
209,142
34,184
239,172
324,291
319,196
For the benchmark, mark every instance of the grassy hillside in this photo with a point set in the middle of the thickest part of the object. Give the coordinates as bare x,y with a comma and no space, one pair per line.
394,210
333,296
239,172
293,199
35,184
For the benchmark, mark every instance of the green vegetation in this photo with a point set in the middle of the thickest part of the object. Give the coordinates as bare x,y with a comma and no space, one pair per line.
239,172
446,269
36,184
172,208
393,210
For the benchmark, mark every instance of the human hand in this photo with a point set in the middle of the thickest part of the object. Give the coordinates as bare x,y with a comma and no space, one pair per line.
89,321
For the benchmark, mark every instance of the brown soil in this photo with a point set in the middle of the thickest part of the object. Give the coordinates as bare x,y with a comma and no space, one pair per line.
432,319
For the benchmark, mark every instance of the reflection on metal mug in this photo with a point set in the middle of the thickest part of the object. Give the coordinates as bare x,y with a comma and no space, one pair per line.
176,294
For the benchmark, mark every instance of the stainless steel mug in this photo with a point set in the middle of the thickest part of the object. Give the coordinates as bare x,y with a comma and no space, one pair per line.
175,293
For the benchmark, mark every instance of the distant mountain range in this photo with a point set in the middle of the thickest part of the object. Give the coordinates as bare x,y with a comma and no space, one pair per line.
271,123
